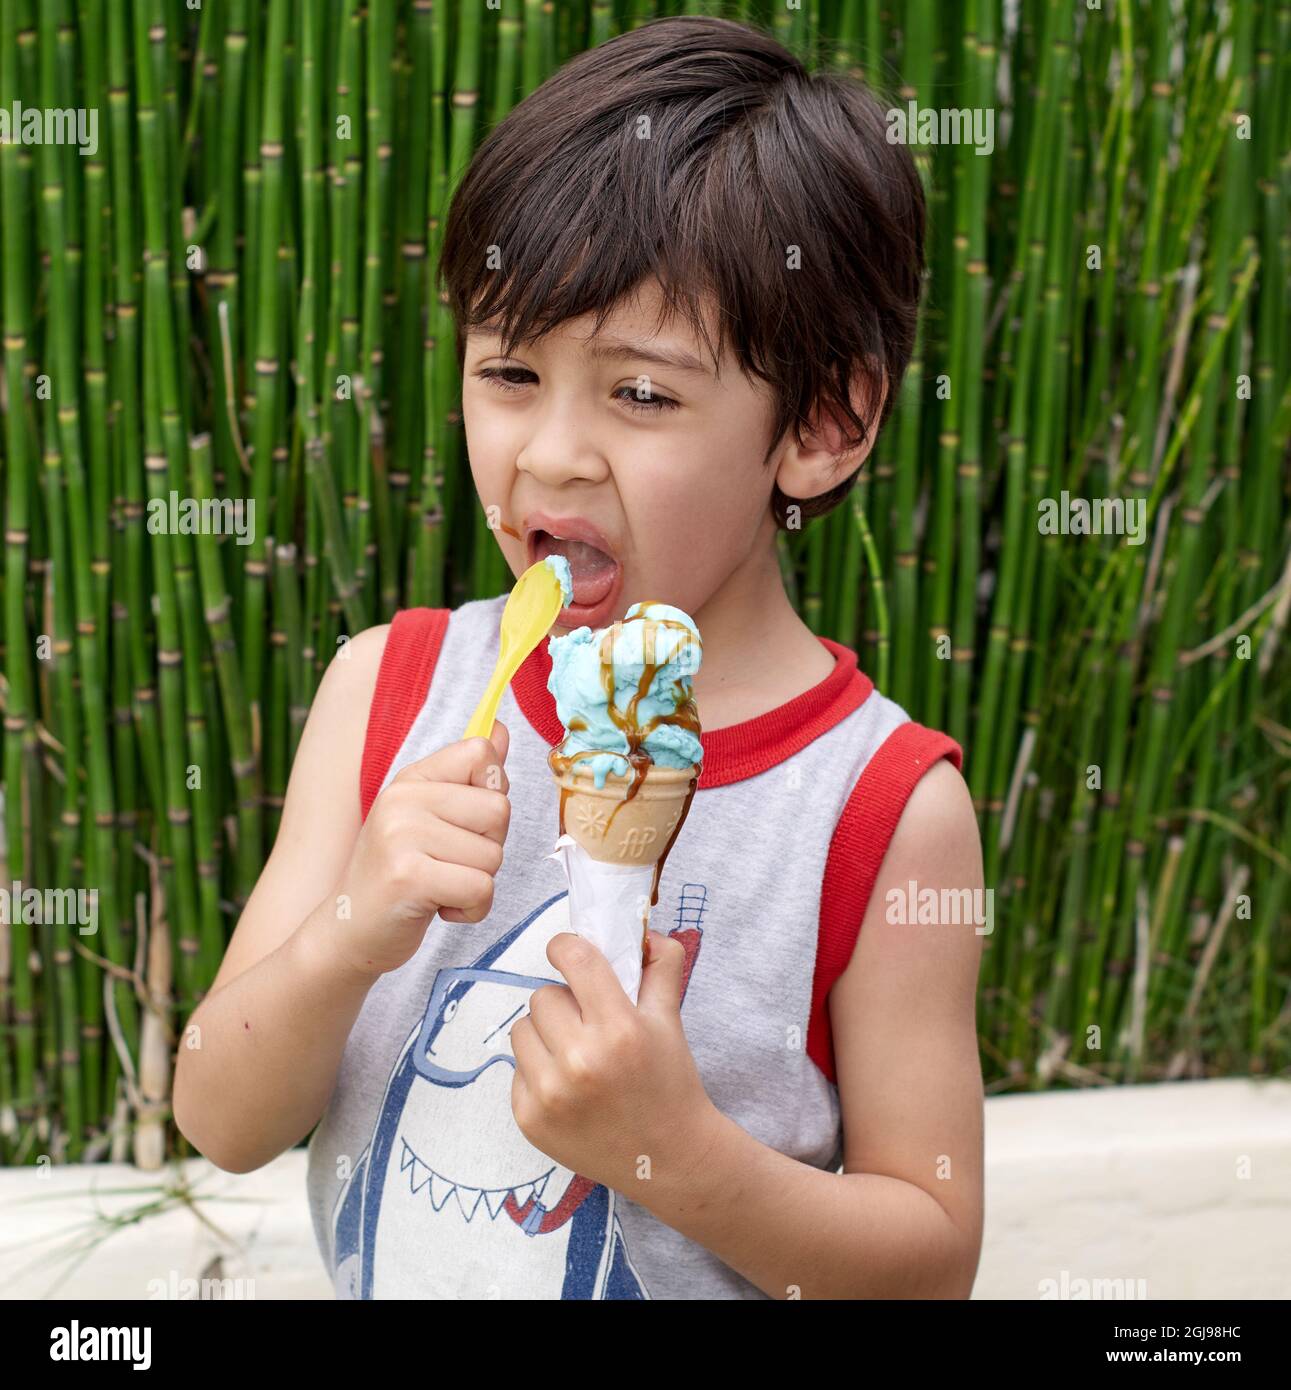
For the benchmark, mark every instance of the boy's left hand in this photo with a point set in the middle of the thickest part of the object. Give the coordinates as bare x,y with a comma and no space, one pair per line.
607,1090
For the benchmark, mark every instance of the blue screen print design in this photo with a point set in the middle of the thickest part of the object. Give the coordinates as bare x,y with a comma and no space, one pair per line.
449,1199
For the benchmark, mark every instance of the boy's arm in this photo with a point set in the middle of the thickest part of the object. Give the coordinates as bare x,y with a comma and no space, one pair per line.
272,1029
904,1219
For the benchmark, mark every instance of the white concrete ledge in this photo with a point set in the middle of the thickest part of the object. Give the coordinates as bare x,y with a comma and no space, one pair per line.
1186,1187
113,1231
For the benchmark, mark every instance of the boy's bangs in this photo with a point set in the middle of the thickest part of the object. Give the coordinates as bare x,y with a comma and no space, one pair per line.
586,254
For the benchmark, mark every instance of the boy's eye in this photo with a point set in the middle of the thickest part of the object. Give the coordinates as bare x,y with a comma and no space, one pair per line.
501,376
646,402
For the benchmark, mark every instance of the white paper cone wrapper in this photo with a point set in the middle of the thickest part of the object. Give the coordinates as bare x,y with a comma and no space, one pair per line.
609,905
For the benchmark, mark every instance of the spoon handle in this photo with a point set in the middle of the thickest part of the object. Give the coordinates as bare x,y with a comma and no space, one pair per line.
509,659
481,725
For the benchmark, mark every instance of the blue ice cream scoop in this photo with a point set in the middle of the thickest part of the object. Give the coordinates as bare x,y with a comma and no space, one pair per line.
609,708
559,566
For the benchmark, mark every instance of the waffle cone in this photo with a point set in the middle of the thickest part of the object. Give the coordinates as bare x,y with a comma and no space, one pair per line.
615,830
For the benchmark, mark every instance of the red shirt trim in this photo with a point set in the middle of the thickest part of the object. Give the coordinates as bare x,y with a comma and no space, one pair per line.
856,854
407,665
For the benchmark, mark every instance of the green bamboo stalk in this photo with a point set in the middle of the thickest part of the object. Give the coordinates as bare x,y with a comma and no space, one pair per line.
815,575
379,128
341,363
1019,526
409,425
218,614
429,512
881,621
1264,484
129,604
1044,471
1097,398
165,57
1202,467
252,182
601,25
1146,312
267,364
76,578
17,1002
222,279
96,289
979,63
1072,940
1036,589
34,1089
314,414
202,98
940,547
920,21
162,461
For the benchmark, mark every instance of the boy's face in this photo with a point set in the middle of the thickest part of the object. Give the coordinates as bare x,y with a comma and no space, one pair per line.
661,461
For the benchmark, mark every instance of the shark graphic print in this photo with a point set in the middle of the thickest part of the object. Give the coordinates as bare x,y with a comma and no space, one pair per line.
449,1199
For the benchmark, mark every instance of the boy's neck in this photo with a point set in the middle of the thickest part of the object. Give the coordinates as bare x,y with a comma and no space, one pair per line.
758,653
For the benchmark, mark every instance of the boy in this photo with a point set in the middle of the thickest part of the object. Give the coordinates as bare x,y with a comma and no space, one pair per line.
685,275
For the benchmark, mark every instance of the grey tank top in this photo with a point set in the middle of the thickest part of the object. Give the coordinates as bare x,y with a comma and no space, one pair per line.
420,1183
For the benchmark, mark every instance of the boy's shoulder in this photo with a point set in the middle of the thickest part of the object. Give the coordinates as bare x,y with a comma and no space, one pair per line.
476,612
413,624
905,769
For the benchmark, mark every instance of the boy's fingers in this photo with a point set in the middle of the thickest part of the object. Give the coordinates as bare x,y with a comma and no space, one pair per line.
480,815
466,762
590,977
661,976
490,772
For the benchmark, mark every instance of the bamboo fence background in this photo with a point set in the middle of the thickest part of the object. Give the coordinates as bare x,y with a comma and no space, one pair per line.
260,222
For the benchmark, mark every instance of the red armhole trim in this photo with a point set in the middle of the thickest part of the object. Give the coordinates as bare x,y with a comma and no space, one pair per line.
856,853
407,665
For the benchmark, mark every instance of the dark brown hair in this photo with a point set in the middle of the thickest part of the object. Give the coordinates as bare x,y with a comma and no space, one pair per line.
745,156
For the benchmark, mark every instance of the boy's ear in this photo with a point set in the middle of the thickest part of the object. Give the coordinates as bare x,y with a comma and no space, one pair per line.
822,460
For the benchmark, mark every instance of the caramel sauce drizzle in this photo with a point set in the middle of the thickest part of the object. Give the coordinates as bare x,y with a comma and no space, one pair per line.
686,716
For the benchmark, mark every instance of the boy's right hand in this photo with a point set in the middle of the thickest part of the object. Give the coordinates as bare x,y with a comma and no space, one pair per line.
432,843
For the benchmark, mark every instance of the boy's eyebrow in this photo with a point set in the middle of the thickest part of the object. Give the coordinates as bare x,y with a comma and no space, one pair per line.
621,349
617,349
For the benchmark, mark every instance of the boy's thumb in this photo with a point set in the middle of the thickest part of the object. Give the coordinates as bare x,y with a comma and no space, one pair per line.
500,739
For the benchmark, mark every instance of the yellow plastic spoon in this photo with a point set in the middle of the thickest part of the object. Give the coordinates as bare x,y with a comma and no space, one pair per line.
531,608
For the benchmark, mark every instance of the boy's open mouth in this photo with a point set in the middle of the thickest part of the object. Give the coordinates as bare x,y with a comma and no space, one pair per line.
594,571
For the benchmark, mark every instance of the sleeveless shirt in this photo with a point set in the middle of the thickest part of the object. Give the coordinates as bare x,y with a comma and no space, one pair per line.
420,1183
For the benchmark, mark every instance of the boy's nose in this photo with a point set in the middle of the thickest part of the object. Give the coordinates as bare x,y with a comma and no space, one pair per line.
558,451
554,466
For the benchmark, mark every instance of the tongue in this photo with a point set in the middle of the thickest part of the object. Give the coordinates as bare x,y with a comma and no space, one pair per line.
590,569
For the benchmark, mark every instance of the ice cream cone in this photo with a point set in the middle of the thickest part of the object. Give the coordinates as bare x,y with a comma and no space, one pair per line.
615,829
624,695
